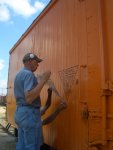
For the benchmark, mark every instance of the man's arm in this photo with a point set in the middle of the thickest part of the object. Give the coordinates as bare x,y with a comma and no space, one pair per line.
34,93
48,102
50,118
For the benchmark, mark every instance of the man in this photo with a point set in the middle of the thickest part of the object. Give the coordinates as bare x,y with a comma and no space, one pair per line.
27,93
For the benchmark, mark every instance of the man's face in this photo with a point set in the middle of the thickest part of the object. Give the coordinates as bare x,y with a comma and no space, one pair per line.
33,65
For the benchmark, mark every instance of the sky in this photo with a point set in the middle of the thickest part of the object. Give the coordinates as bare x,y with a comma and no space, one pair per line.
15,17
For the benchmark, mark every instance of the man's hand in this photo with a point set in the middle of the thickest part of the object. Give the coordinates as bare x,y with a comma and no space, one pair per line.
45,76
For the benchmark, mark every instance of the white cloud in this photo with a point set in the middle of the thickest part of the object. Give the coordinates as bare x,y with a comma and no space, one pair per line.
19,7
4,13
1,64
3,86
3,82
39,5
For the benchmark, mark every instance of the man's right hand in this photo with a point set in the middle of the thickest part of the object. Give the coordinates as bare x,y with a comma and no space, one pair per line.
46,75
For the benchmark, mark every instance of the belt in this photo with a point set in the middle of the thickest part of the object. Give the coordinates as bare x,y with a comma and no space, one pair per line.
27,105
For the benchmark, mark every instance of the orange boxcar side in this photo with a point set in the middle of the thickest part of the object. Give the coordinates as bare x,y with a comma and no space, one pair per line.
74,37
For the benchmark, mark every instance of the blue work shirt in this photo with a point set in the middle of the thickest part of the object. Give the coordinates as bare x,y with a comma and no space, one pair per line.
25,81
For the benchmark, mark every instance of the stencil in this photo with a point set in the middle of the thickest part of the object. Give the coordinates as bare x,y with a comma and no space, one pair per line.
69,77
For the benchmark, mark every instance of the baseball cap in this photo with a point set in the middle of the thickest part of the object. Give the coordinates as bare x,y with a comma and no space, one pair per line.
31,56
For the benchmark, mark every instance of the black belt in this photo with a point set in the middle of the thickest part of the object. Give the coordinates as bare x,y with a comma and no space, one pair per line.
27,105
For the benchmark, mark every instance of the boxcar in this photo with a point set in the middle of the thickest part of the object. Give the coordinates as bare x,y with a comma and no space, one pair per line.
75,39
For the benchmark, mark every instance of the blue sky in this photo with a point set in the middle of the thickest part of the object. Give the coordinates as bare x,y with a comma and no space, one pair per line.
15,17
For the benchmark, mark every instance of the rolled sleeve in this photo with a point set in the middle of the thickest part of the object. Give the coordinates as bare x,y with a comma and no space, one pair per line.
28,82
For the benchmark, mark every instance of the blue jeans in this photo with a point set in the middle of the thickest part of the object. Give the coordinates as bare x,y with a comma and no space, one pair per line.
29,124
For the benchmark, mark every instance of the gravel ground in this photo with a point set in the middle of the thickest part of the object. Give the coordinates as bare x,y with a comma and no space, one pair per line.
7,142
